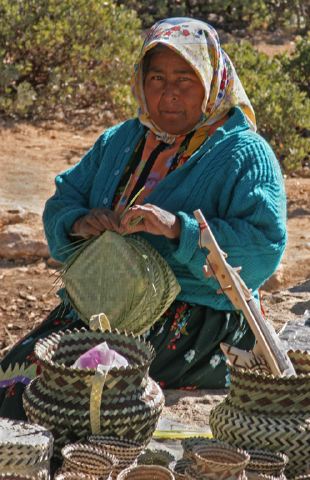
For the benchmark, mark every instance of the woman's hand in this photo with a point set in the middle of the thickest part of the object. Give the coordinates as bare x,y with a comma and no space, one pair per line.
97,221
151,219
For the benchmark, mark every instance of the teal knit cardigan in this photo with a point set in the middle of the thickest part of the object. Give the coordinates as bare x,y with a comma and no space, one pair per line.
234,178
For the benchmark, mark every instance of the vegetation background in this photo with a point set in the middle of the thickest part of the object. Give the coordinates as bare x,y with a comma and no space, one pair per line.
75,57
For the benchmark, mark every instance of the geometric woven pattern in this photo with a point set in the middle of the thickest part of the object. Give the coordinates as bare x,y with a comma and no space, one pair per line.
266,462
88,459
219,462
266,412
263,393
123,277
146,472
126,451
24,449
59,399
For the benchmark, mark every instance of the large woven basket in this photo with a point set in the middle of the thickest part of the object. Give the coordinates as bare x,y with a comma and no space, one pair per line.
74,403
146,472
266,412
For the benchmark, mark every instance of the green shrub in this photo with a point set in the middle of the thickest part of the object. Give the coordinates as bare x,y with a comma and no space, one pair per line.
298,64
282,110
65,53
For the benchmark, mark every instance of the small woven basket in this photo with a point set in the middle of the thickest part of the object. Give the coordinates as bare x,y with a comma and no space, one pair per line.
12,476
146,472
180,467
125,451
87,459
76,476
266,462
220,461
189,444
25,449
263,476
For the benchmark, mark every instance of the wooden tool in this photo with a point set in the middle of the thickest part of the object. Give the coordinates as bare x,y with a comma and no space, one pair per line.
268,343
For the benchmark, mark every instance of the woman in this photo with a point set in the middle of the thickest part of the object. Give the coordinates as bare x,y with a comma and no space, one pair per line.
192,146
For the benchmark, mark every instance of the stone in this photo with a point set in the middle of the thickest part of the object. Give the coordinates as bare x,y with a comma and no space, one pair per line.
275,281
296,335
20,241
16,215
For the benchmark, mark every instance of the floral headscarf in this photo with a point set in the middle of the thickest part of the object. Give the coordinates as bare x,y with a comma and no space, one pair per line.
198,43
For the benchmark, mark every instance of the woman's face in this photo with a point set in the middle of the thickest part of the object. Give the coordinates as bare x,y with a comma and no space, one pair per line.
173,93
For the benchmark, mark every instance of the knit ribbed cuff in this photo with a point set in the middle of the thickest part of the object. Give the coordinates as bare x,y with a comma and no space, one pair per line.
189,238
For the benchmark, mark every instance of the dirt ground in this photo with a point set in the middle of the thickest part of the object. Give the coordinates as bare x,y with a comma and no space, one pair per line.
31,157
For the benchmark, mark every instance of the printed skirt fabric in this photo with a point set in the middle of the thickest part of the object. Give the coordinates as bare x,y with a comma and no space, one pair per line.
187,344
186,340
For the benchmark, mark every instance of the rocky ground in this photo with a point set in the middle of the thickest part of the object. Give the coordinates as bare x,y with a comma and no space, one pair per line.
30,158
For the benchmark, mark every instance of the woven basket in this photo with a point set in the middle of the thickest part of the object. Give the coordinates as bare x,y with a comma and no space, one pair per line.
266,412
220,462
76,476
87,459
180,467
266,462
189,444
126,451
146,472
192,474
25,449
43,475
261,476
146,285
12,476
74,403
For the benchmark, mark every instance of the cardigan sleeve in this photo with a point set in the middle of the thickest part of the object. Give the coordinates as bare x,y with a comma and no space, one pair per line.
251,222
70,201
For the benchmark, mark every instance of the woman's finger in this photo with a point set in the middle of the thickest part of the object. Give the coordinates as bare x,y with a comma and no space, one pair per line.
87,230
108,219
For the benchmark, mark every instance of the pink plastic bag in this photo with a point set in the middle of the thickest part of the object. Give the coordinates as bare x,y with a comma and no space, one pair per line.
102,356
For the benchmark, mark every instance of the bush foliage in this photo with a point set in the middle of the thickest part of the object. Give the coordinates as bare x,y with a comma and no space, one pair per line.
282,110
229,14
68,53
77,54
298,64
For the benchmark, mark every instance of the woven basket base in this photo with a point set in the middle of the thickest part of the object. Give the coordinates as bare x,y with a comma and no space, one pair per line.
290,434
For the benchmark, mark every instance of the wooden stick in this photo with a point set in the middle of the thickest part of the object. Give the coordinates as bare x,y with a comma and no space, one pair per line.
268,343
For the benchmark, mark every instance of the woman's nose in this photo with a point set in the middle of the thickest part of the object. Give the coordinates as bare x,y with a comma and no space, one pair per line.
171,89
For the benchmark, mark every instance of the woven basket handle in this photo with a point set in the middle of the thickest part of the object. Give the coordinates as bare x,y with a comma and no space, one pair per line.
97,322
95,400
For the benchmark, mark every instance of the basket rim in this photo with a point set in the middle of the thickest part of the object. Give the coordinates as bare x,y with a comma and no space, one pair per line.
56,337
148,468
77,448
271,377
244,457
